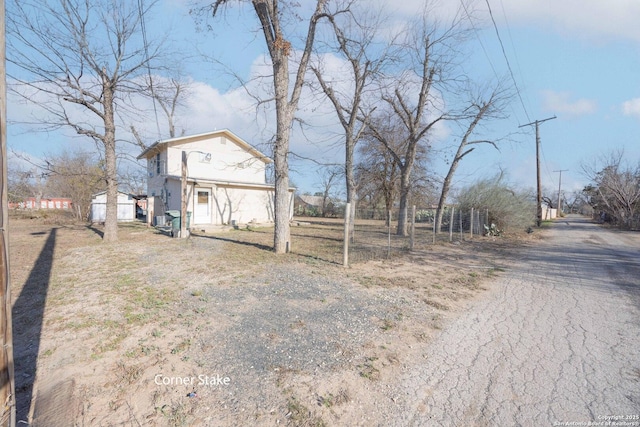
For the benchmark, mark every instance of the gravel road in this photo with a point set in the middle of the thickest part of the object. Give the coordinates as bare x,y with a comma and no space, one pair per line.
556,342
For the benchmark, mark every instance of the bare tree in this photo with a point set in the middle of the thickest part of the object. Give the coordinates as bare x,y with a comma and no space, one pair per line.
379,170
414,96
78,60
329,178
168,94
482,107
355,38
273,20
76,175
23,182
616,186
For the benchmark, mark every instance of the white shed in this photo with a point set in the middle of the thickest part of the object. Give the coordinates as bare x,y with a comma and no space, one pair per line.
126,207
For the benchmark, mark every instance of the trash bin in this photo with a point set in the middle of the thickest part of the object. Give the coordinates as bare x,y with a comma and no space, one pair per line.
174,217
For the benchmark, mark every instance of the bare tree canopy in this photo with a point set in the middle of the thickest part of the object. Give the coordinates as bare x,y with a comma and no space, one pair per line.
274,16
615,188
485,104
354,35
79,61
76,175
415,95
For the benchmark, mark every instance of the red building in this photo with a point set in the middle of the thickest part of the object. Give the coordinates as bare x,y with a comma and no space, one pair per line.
45,203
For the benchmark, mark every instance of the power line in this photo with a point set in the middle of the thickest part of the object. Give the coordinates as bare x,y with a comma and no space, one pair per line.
513,47
143,27
475,30
539,201
560,189
504,53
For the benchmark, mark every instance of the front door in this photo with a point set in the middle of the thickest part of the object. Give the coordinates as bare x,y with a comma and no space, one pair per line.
202,214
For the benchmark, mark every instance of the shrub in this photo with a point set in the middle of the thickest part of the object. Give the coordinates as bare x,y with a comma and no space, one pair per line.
509,208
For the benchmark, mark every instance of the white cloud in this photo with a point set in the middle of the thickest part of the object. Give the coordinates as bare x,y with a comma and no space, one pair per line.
561,103
592,19
631,107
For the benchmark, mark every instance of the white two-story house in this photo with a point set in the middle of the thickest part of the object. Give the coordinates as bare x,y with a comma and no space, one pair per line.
225,180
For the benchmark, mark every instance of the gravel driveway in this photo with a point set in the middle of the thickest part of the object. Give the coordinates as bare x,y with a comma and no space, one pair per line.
556,342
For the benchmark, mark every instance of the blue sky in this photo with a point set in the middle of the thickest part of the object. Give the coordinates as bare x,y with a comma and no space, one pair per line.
577,59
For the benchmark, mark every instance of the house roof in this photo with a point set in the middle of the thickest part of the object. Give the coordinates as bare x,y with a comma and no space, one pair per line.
105,192
160,145
223,183
311,200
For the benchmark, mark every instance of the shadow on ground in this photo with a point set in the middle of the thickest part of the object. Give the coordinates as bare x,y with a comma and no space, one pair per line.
27,313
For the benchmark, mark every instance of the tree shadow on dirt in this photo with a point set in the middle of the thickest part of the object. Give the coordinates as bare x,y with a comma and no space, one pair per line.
239,242
28,313
96,230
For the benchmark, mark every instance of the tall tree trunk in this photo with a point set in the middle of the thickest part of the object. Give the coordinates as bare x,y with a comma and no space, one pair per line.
111,176
446,186
279,50
351,183
284,117
404,202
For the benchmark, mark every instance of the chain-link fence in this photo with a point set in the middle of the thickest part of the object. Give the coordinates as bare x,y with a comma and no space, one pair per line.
376,233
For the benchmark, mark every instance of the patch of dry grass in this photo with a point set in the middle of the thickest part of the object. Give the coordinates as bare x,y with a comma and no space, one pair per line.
135,308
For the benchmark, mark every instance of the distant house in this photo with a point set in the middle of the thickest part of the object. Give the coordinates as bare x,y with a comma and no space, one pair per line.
308,205
126,207
225,179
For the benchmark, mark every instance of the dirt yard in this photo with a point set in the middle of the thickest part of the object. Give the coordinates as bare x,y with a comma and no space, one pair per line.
216,330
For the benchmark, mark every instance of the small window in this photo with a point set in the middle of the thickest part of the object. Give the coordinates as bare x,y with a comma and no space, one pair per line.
203,197
158,164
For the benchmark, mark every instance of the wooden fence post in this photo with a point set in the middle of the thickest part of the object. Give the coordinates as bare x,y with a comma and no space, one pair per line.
7,378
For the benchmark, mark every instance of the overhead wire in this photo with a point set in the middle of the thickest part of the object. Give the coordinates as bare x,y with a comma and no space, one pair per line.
513,47
143,27
475,30
504,54
484,49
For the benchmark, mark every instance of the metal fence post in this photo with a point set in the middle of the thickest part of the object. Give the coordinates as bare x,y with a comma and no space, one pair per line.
471,224
451,225
389,237
347,220
433,240
413,227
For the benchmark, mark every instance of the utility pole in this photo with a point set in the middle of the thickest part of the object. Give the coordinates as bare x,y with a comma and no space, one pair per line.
7,380
559,188
539,184
183,199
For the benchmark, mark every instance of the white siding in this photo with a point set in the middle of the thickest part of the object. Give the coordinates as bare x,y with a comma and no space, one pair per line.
228,162
243,205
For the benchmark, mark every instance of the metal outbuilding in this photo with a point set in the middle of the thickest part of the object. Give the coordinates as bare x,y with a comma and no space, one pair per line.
126,207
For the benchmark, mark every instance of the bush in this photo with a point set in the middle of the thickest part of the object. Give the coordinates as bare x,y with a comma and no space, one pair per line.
509,208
